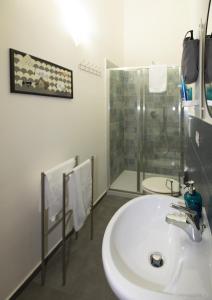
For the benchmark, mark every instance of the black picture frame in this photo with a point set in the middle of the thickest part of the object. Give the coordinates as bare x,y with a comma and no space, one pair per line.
32,75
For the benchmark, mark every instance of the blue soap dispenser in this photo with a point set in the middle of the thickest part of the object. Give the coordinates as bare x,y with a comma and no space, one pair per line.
193,199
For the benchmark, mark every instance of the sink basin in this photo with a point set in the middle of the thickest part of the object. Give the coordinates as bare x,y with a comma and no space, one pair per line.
136,231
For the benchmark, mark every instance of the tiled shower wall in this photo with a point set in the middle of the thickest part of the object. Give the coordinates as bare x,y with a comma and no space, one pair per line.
131,93
162,127
123,106
160,139
116,124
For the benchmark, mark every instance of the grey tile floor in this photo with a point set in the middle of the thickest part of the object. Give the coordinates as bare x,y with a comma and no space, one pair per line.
85,275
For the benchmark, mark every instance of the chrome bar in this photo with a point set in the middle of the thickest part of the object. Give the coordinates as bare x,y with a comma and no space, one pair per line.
43,267
77,162
92,196
45,233
107,76
179,180
138,125
172,188
125,191
64,231
65,175
143,129
181,134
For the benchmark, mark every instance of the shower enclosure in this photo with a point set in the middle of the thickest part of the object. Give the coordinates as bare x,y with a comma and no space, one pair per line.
144,129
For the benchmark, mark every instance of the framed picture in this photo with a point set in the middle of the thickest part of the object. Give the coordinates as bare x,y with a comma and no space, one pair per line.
32,75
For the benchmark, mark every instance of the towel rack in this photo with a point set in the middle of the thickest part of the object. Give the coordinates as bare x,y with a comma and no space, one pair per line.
45,232
65,176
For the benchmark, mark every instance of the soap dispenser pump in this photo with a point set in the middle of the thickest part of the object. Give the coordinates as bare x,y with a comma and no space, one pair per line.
193,199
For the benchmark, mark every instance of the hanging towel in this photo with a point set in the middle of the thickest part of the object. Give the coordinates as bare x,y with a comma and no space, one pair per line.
54,188
157,78
80,193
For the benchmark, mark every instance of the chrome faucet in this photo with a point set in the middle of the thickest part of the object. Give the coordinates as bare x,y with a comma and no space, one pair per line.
188,220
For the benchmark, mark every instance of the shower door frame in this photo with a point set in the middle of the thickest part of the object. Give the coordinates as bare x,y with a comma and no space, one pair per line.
141,101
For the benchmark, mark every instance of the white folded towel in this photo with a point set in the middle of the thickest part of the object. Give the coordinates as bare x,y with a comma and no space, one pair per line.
54,187
80,193
157,78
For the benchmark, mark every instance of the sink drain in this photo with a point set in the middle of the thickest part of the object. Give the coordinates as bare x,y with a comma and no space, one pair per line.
156,260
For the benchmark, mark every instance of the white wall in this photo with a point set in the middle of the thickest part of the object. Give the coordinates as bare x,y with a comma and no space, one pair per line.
38,132
154,31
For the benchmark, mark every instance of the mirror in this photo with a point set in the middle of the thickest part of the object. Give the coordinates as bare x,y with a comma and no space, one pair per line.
208,60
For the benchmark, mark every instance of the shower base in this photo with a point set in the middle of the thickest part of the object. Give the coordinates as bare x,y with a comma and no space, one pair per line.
127,180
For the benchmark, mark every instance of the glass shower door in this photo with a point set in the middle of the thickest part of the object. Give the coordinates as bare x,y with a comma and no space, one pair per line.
124,98
145,129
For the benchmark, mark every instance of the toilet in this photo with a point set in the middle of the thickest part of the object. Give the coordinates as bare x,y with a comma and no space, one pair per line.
161,185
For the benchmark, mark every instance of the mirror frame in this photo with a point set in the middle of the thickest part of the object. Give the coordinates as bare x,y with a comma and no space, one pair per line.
205,33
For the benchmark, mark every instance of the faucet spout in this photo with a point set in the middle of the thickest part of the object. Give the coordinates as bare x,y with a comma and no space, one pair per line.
187,220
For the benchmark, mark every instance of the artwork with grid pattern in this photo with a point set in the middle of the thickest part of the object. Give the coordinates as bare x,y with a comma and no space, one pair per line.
32,75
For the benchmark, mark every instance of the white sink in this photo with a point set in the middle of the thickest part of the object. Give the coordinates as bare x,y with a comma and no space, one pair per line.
137,230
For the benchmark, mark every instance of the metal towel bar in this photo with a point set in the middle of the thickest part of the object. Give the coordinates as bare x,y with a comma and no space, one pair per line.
45,232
